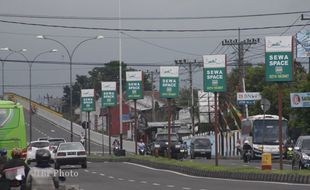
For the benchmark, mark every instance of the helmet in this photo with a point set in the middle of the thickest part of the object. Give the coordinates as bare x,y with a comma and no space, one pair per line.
246,142
16,153
3,152
43,156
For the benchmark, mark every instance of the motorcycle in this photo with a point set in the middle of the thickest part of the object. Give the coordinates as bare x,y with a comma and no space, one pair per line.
183,153
289,153
247,156
116,150
141,150
16,177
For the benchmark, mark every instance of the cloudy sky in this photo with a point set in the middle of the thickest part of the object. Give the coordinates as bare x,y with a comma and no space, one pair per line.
154,45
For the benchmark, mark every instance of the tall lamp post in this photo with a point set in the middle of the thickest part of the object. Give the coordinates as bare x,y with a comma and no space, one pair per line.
30,92
3,61
70,55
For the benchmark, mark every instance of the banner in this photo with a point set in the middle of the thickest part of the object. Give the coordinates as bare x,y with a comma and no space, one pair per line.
300,100
87,100
214,73
279,59
134,85
108,94
169,82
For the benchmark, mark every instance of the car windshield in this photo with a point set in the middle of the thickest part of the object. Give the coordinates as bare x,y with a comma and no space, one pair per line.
202,143
39,144
305,144
266,132
56,142
164,137
71,146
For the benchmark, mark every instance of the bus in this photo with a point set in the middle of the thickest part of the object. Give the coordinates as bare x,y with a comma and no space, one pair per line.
12,126
262,132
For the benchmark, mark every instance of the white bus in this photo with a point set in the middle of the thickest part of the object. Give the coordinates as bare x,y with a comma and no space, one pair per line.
262,131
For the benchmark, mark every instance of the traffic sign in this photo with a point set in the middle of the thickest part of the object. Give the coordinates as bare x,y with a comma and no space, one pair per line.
248,97
265,104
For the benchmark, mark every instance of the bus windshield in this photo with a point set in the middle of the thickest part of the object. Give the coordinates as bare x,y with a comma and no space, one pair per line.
266,132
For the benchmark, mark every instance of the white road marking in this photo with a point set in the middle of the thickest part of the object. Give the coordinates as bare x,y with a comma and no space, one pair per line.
218,179
89,162
94,172
144,182
156,184
170,186
121,179
202,189
86,171
102,174
111,177
53,131
131,180
186,188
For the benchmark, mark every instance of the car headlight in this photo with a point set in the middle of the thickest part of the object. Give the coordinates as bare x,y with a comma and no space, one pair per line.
305,156
157,145
177,146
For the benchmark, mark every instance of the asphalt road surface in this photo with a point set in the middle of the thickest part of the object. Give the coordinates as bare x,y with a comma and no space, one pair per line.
43,128
114,176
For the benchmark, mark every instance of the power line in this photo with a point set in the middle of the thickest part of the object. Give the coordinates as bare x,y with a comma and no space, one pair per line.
154,30
159,46
150,18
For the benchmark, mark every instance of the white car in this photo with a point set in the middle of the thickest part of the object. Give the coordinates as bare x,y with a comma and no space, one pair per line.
34,146
70,153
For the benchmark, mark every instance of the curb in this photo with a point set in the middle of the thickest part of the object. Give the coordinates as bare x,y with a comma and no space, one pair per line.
287,178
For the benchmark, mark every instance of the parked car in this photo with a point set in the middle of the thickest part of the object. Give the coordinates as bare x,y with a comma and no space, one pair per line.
200,147
33,147
301,155
70,153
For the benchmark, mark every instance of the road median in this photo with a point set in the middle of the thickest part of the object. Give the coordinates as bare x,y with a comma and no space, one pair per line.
206,170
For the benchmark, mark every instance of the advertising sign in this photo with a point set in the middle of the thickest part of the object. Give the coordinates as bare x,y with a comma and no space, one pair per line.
134,87
303,43
214,73
300,100
248,97
279,59
169,82
108,94
88,100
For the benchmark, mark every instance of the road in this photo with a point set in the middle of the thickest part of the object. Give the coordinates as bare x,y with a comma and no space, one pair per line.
43,128
112,176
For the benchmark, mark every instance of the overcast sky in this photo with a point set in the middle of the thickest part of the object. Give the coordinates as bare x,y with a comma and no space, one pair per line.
144,48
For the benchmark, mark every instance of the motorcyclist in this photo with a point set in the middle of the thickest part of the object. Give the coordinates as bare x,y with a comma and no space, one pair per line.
185,150
42,176
82,138
16,161
141,146
246,147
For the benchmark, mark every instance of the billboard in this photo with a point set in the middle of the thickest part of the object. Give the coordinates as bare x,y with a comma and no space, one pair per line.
134,85
300,100
279,59
88,100
303,43
169,82
214,73
108,94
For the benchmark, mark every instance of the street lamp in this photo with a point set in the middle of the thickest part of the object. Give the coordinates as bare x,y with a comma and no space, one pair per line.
3,61
30,91
70,55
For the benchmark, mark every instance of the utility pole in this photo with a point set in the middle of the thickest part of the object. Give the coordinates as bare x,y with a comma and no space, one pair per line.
239,46
190,63
153,75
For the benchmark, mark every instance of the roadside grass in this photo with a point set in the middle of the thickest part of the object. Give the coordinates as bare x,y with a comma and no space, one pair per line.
199,165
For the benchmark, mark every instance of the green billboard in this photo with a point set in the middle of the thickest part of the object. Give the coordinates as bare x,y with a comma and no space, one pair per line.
87,100
108,94
279,59
214,73
134,85
169,82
